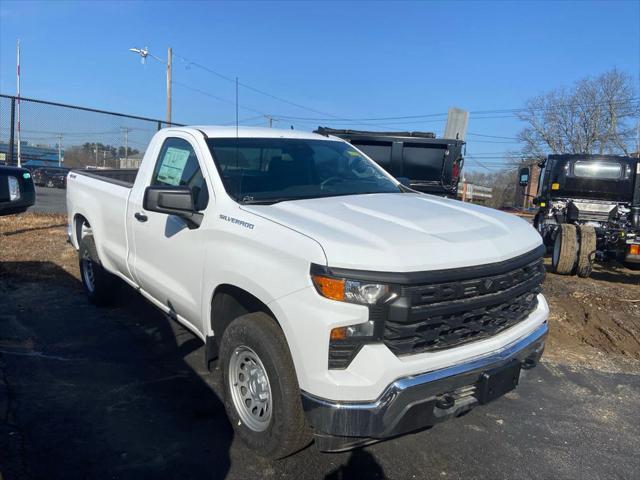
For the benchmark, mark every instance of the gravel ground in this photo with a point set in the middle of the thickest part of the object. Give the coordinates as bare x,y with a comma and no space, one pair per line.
123,392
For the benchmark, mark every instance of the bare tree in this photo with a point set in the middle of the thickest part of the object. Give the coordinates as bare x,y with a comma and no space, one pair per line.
597,115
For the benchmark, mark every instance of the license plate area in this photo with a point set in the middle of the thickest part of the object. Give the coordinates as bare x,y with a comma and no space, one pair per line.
498,381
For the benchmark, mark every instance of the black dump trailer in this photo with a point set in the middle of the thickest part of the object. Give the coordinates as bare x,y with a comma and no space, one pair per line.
589,210
17,192
425,163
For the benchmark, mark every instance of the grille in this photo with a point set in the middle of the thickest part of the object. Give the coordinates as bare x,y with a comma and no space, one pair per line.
444,315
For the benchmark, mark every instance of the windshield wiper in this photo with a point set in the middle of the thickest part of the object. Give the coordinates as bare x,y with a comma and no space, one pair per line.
271,201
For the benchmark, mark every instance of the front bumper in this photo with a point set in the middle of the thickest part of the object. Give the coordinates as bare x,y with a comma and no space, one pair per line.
415,402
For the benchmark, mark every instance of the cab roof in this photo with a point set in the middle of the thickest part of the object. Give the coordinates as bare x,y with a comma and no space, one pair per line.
214,131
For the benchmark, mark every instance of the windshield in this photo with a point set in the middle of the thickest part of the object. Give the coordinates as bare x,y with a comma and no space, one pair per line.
269,170
604,170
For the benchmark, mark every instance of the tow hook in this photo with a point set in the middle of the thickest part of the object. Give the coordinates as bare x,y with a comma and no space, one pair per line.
445,402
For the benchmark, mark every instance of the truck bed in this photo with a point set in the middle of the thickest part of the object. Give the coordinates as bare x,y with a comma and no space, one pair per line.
125,177
102,196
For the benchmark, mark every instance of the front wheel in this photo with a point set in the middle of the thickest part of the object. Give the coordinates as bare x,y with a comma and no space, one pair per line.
565,249
262,396
586,255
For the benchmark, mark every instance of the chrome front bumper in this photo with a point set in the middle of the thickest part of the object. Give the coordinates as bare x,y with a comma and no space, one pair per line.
416,402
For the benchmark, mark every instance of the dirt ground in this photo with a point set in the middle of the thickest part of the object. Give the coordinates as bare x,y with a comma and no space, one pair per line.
594,322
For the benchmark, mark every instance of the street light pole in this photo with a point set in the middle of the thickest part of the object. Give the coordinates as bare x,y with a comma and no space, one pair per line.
18,102
144,53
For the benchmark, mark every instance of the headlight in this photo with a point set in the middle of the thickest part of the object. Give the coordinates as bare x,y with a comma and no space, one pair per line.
352,291
14,189
346,341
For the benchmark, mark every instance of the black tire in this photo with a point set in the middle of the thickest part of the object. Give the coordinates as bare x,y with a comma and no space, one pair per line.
286,431
99,285
588,241
565,250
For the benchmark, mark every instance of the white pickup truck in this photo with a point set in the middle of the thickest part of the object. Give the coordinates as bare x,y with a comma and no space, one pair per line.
342,306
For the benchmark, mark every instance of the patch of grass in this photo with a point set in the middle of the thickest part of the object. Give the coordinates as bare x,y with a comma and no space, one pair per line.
32,245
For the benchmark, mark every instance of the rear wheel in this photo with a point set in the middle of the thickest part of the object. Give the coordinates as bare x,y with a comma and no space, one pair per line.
565,249
262,396
587,250
99,285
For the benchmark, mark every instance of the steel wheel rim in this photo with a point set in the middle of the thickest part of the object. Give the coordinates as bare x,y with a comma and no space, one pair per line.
87,272
250,389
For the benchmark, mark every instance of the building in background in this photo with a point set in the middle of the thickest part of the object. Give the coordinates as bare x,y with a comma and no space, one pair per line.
469,192
32,155
129,162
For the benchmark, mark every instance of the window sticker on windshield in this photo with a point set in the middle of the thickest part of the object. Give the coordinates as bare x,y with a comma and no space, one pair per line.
173,165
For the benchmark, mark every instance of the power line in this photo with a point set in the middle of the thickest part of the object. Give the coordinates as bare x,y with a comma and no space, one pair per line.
216,97
253,89
490,136
368,119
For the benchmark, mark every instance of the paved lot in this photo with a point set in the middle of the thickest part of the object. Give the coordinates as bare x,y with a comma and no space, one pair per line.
123,393
50,200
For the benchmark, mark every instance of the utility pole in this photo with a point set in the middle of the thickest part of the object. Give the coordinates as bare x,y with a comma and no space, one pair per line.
18,92
96,150
169,63
270,118
59,149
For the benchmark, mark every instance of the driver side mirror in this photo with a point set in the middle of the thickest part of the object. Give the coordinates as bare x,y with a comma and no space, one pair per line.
523,177
176,201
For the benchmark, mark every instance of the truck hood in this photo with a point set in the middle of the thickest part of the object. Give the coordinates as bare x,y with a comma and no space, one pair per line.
403,232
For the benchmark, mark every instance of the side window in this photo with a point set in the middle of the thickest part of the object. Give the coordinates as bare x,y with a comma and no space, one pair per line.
177,165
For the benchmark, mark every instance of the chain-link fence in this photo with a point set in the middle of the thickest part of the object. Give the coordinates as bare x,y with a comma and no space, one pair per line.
48,134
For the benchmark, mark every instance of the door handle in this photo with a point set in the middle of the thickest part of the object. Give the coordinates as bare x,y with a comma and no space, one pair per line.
141,217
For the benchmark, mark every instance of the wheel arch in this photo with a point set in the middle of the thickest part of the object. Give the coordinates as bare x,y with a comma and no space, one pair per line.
229,302
78,220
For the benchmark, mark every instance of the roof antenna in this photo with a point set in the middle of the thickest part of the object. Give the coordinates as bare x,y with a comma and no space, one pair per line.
236,107
237,123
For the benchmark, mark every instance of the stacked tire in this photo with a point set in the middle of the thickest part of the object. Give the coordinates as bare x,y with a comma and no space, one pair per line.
573,250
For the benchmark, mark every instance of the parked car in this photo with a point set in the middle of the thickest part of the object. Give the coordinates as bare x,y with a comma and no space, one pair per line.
17,193
341,306
589,210
52,177
419,159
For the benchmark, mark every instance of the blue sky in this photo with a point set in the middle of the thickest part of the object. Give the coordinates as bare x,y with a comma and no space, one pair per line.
349,60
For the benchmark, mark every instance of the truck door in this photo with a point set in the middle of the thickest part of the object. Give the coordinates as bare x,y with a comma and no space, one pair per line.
168,256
